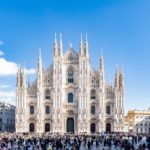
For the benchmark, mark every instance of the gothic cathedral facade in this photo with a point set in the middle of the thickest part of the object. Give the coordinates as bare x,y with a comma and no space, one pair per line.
69,96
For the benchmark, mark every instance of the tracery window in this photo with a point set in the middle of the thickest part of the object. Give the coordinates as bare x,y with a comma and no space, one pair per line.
47,94
93,110
47,110
108,109
31,110
70,97
70,75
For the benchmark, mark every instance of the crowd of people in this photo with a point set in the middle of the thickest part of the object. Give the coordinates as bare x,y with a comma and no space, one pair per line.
47,141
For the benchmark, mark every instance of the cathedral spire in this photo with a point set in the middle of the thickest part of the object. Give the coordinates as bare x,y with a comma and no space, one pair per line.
116,84
101,66
39,60
81,46
55,46
60,45
18,76
86,47
101,61
121,78
24,77
40,69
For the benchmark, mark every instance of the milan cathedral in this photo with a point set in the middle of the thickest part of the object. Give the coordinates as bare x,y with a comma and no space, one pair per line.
69,96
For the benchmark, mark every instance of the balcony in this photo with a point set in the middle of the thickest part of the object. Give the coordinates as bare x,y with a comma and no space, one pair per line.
48,115
70,105
109,115
32,115
93,115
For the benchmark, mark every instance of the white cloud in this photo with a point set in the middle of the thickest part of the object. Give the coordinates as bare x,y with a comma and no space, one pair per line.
10,68
1,42
4,86
7,96
7,67
1,53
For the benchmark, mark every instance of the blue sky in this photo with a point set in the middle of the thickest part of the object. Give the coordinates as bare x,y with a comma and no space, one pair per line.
121,28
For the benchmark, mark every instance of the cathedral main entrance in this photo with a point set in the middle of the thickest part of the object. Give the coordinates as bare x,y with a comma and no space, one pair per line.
47,127
108,127
31,127
93,128
70,125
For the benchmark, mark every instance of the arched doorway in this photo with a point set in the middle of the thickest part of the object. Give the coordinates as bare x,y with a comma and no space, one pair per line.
31,127
108,127
47,127
70,125
93,128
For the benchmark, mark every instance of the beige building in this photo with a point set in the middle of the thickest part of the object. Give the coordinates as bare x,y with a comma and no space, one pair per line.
69,96
138,121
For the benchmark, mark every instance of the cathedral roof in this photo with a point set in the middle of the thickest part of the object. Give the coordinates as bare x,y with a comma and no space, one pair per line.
71,53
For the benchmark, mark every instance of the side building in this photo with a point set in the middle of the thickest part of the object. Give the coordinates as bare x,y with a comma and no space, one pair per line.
138,121
7,117
70,95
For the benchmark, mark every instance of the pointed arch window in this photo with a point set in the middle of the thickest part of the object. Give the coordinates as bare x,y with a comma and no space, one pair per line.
70,75
93,110
108,111
70,97
47,110
31,110
47,94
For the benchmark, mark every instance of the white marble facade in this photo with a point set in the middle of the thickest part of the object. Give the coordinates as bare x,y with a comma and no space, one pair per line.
69,96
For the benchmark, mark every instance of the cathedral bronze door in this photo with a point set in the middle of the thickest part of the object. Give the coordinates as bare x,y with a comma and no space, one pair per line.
47,127
70,125
108,127
93,128
31,127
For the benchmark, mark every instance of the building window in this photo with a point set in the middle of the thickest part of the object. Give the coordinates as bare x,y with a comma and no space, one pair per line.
31,110
70,75
70,98
47,94
1,121
93,110
93,94
47,110
108,109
